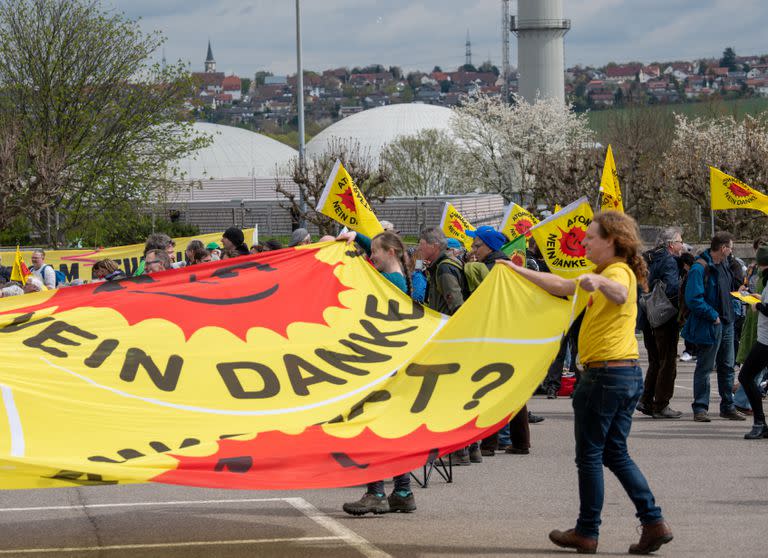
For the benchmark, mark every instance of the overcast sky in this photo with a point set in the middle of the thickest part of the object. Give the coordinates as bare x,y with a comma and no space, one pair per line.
252,35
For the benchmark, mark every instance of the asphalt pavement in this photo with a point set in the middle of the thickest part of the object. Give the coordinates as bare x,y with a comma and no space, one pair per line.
711,484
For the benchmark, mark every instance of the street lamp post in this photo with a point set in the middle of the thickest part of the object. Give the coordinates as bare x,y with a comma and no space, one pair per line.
300,106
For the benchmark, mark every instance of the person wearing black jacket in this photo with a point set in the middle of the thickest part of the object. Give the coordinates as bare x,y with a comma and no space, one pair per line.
661,342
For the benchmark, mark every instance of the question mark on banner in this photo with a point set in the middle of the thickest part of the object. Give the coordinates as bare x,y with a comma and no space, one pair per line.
505,372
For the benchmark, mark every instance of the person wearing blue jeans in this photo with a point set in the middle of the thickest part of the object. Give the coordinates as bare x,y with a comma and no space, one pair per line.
710,327
611,383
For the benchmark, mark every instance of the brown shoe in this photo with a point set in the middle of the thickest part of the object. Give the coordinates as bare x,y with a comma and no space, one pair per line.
571,539
653,536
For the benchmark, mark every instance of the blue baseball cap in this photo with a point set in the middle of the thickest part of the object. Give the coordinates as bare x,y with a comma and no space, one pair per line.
454,243
490,236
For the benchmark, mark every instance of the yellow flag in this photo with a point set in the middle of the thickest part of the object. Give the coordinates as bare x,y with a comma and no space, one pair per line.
557,207
731,193
517,221
559,239
609,185
343,201
19,271
455,225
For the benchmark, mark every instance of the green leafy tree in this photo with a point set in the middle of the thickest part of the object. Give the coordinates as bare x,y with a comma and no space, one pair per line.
729,59
87,122
424,164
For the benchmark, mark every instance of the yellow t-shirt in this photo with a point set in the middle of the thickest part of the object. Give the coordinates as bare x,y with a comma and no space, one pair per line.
608,330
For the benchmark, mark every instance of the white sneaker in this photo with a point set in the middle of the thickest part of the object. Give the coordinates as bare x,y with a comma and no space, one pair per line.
686,357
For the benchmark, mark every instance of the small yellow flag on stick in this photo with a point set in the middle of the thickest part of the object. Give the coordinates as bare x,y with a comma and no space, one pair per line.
728,192
343,201
609,185
517,221
454,225
19,271
560,237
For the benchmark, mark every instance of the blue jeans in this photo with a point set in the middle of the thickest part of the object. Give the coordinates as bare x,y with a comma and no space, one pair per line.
603,404
721,355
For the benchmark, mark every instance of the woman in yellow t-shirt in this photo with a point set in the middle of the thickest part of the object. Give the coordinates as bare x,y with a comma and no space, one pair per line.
612,383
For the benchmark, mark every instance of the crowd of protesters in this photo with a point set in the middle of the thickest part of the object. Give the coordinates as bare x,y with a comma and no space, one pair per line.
719,332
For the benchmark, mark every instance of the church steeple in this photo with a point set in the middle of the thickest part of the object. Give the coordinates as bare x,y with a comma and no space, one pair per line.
210,63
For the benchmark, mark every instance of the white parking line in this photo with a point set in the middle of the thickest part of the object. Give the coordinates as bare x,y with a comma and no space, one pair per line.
347,535
166,545
339,531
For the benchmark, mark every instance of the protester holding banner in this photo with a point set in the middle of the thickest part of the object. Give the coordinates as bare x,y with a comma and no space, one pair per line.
610,388
447,284
388,255
43,271
233,241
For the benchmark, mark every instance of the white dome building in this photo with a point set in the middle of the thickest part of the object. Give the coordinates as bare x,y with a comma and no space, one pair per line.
375,128
238,164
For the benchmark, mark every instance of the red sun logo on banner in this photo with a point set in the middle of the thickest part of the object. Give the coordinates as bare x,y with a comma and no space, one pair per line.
571,242
269,291
348,199
523,226
738,190
456,224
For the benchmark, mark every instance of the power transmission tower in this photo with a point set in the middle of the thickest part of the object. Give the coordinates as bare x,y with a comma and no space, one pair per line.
468,51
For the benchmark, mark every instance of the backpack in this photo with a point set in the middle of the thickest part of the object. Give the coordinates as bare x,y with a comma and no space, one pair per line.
473,272
684,310
60,277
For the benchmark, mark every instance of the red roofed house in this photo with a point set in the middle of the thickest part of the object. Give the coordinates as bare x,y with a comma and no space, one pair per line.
232,86
624,72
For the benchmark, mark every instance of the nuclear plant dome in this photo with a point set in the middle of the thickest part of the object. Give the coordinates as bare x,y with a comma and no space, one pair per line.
376,127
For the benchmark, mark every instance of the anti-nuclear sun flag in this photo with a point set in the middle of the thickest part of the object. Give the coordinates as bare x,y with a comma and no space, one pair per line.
559,239
454,225
517,221
609,185
300,368
728,192
77,264
343,202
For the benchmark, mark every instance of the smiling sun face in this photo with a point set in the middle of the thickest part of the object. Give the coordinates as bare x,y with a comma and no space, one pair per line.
271,291
571,242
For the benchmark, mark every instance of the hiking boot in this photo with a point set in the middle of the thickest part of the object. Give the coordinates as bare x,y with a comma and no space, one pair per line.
460,458
533,419
758,431
571,539
369,503
652,537
643,408
475,456
701,417
733,414
551,393
402,504
667,413
745,411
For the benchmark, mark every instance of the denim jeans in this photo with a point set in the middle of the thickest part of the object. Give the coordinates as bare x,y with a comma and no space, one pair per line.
721,355
603,404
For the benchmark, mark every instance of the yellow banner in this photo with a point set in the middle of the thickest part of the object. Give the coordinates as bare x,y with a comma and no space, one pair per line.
749,298
611,199
517,221
454,225
560,237
235,374
343,201
728,192
77,264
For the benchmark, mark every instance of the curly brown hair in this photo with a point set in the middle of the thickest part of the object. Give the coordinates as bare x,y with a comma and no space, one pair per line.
622,229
